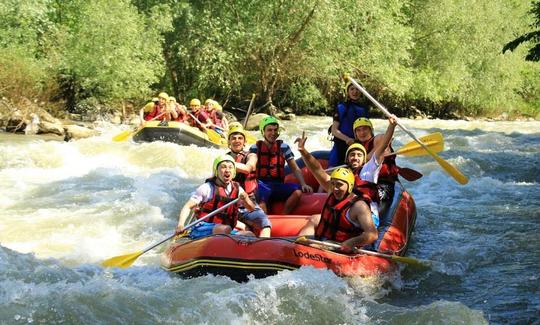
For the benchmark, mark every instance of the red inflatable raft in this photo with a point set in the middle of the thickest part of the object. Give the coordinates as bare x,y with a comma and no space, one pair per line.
240,257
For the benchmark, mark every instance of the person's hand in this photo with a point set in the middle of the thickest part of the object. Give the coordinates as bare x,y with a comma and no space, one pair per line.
392,120
243,197
301,142
179,230
349,141
347,246
307,189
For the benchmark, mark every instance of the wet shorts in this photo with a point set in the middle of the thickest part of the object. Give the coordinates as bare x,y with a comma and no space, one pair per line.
256,218
276,191
204,229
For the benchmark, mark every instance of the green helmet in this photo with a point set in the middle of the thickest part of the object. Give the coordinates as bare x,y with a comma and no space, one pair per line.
266,121
221,159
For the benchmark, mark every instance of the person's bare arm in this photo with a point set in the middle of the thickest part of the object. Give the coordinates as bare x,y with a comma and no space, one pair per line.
249,166
313,164
184,214
361,213
298,173
246,201
379,150
338,134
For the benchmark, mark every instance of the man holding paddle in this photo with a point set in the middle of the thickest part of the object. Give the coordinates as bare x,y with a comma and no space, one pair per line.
363,134
214,194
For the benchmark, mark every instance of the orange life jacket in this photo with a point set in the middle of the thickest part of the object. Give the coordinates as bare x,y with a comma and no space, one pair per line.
248,181
334,224
389,169
270,161
228,216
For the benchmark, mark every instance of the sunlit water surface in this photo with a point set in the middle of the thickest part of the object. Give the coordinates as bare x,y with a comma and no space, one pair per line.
66,206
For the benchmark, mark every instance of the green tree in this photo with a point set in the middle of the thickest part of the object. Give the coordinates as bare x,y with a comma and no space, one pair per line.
534,37
106,51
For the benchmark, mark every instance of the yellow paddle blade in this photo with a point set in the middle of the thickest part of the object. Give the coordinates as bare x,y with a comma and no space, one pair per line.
434,142
250,138
122,136
123,261
453,171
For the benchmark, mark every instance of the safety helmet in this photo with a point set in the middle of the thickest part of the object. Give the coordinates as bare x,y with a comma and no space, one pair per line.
362,121
172,99
163,95
266,121
236,127
155,99
344,174
194,102
221,159
218,107
209,100
356,146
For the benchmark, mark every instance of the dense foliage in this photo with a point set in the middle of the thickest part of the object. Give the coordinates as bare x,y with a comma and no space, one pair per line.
442,57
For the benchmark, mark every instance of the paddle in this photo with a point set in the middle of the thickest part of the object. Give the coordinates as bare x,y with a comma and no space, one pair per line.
434,141
125,261
250,108
409,174
212,135
451,170
395,258
124,135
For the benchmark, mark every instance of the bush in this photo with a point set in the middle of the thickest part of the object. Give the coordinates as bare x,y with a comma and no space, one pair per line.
305,98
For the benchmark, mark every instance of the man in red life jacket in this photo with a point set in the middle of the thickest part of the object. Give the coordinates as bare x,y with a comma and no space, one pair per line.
246,162
147,109
198,117
213,194
365,200
160,111
363,132
178,112
271,157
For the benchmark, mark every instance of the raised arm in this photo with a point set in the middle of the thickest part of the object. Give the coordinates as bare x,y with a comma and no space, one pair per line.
378,152
313,164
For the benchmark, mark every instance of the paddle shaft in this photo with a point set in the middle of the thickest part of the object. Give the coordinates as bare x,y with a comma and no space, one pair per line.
191,225
458,176
397,258
196,120
250,108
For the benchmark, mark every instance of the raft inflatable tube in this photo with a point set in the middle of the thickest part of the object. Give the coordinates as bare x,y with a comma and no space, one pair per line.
240,257
175,132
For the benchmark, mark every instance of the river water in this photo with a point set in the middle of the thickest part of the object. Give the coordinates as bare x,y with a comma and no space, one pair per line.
67,206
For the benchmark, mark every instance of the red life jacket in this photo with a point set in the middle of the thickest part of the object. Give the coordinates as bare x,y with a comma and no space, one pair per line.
366,190
249,181
155,112
227,217
389,169
270,161
181,115
334,224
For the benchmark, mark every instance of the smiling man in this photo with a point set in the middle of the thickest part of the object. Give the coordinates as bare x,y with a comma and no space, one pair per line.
351,212
246,163
271,157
